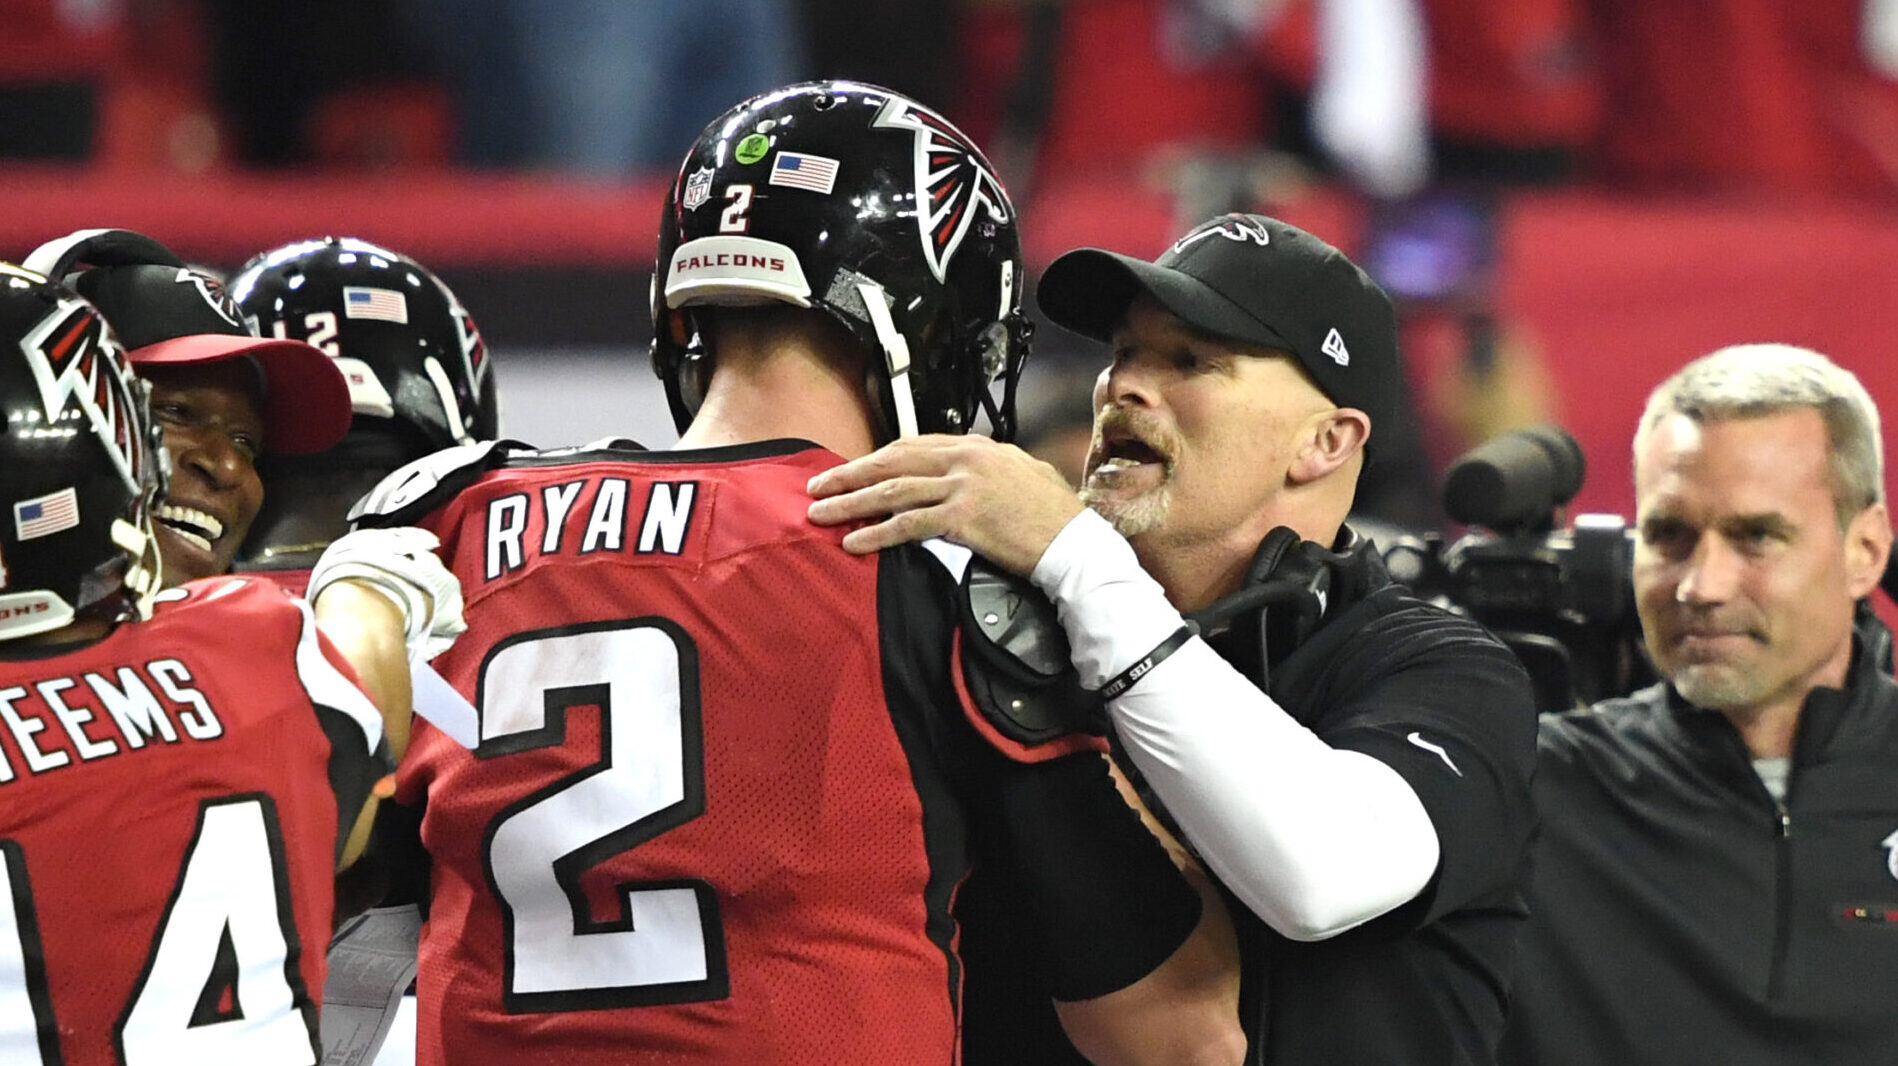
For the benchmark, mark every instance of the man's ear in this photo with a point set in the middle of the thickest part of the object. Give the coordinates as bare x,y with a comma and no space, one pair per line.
1867,549
1331,440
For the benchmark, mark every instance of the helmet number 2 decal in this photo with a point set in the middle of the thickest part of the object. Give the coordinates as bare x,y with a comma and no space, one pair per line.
732,219
319,331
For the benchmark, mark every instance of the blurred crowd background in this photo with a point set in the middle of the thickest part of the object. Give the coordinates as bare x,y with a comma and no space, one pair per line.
1569,198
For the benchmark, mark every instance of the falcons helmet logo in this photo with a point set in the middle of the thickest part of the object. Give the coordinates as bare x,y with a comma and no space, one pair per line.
474,349
75,362
953,182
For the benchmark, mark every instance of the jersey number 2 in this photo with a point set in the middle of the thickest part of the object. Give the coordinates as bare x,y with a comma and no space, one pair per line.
228,929
666,944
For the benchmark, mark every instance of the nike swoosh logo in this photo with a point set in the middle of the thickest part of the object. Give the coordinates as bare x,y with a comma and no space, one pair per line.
1417,739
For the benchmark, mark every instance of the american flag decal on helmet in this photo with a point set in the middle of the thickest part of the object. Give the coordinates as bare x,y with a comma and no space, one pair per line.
953,182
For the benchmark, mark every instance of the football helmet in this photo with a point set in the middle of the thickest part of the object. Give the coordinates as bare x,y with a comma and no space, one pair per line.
862,203
80,460
410,350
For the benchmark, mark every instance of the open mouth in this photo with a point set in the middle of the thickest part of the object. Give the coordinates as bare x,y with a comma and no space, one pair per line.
1123,453
190,524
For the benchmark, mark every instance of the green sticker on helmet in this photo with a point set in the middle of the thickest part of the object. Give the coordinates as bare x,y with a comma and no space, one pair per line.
752,149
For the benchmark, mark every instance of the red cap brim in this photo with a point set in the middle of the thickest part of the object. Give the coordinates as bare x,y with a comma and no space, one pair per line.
306,399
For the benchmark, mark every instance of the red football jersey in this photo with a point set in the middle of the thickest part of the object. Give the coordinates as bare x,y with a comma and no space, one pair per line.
710,815
170,804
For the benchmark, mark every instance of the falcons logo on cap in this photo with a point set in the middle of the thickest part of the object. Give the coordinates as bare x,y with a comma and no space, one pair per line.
212,292
953,182
1232,227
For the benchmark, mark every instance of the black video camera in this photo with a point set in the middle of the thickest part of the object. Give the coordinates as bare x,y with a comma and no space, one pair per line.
1561,598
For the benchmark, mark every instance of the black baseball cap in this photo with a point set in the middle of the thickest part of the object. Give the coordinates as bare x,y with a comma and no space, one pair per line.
169,315
1254,279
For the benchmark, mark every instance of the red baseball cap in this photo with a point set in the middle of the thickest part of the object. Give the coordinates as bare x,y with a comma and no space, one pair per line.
174,315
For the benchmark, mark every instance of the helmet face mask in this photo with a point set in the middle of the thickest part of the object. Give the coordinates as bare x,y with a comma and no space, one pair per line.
862,203
410,350
81,461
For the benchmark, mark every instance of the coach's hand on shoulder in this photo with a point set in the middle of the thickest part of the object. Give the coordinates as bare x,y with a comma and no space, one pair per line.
992,498
401,564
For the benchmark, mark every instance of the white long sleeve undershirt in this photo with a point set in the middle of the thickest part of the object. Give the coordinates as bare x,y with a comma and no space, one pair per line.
1314,839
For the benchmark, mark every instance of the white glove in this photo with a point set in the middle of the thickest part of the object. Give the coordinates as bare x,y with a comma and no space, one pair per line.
401,564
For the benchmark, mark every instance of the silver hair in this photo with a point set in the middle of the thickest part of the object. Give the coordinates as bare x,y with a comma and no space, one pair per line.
1748,380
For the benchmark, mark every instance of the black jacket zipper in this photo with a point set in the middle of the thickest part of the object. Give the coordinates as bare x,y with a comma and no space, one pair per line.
1782,898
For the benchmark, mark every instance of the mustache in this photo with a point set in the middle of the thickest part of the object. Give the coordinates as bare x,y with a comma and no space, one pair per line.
1123,422
1690,622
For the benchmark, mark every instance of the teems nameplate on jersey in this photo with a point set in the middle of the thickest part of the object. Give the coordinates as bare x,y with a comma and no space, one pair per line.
94,716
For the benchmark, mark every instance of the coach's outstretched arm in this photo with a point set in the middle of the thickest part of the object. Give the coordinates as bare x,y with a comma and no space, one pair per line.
1314,839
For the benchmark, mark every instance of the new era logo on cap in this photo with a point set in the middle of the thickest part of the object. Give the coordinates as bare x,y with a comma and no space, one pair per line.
1334,347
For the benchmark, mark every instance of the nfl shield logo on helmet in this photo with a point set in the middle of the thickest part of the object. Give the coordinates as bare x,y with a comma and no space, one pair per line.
698,189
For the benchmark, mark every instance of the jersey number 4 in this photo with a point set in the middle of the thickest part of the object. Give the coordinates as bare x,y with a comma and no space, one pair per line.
219,986
666,944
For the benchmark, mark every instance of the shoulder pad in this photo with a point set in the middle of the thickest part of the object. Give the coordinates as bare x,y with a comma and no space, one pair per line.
412,491
604,448
1016,661
216,587
612,444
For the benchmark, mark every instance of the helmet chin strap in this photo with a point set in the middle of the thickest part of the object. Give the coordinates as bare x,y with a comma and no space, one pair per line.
146,574
445,391
895,356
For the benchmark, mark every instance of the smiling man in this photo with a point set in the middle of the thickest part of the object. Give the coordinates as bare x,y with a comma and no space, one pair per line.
1352,762
183,768
222,395
1718,869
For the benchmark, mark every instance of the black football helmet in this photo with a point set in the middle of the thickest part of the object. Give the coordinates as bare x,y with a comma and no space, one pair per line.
863,203
411,352
80,461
